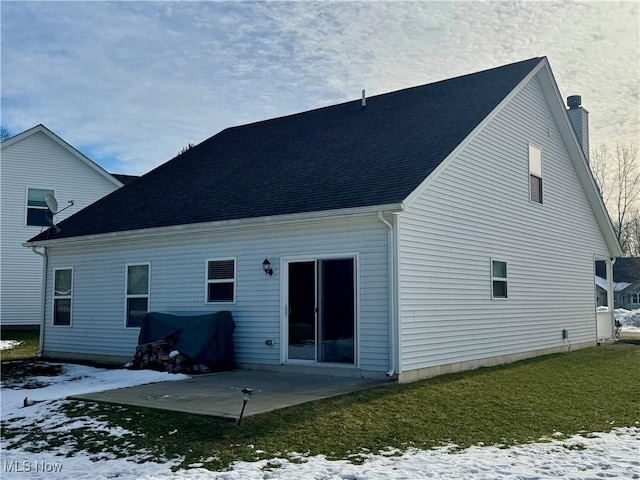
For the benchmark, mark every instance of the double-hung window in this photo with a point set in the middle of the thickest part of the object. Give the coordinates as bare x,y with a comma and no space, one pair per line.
498,279
38,214
535,174
221,281
137,294
62,296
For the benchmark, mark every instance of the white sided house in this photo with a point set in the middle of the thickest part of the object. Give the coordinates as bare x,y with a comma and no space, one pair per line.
32,163
408,234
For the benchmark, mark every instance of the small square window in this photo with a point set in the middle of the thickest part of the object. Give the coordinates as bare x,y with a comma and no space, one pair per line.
221,281
499,279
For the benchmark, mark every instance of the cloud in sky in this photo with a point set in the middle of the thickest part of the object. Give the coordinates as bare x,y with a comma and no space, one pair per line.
131,83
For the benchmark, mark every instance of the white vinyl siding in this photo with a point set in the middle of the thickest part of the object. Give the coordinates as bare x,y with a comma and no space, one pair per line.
178,276
137,293
35,162
478,208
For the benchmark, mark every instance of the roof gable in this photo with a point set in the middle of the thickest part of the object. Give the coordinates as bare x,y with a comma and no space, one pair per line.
332,158
56,139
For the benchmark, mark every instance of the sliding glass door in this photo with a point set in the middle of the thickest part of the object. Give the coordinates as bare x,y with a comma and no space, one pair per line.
321,310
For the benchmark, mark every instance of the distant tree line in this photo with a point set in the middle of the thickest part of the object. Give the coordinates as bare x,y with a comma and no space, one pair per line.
617,174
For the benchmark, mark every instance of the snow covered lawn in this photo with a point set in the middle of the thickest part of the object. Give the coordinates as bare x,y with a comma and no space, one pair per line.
25,456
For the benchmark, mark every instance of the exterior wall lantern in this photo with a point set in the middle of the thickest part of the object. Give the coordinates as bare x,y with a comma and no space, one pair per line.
266,266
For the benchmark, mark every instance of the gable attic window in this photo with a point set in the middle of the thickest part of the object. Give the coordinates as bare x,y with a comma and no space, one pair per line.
498,279
535,174
137,294
38,214
62,295
221,281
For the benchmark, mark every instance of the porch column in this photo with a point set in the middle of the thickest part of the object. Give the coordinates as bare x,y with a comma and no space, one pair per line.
610,296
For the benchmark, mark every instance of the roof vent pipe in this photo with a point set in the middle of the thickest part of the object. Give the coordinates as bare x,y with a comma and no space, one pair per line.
364,100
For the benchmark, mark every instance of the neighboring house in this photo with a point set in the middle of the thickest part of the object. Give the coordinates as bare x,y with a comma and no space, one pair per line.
410,234
626,271
32,163
602,290
629,297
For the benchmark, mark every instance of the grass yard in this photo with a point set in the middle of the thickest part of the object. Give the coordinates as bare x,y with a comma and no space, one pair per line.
28,338
591,390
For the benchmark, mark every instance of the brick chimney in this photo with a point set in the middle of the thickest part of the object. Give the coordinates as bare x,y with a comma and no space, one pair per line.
580,120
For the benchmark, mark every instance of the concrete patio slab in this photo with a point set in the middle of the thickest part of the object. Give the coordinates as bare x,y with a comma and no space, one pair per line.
220,394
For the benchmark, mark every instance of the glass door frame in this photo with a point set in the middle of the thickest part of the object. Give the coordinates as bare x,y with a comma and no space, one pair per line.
284,301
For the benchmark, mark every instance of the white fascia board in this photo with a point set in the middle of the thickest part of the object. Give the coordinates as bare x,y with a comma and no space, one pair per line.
238,224
41,128
462,145
580,163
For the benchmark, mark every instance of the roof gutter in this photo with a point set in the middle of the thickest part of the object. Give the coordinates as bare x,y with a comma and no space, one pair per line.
45,261
194,228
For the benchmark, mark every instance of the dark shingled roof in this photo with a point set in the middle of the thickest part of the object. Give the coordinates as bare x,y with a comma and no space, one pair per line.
124,179
336,157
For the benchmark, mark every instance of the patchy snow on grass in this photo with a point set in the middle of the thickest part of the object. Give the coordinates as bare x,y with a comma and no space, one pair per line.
40,409
602,455
79,379
629,318
630,321
9,344
610,455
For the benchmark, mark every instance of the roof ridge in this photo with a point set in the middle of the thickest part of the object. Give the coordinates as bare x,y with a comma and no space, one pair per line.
378,95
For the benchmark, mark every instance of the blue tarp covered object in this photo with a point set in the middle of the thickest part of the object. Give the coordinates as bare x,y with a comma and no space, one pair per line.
206,339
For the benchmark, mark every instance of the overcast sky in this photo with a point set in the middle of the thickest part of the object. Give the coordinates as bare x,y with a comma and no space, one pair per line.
130,84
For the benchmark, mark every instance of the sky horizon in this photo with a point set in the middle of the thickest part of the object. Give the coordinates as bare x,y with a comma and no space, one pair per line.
130,84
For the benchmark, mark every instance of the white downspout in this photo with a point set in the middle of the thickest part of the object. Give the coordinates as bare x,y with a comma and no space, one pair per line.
392,299
43,254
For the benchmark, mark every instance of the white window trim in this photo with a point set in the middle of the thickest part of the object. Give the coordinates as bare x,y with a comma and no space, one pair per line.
27,207
226,280
504,279
540,176
55,297
126,286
